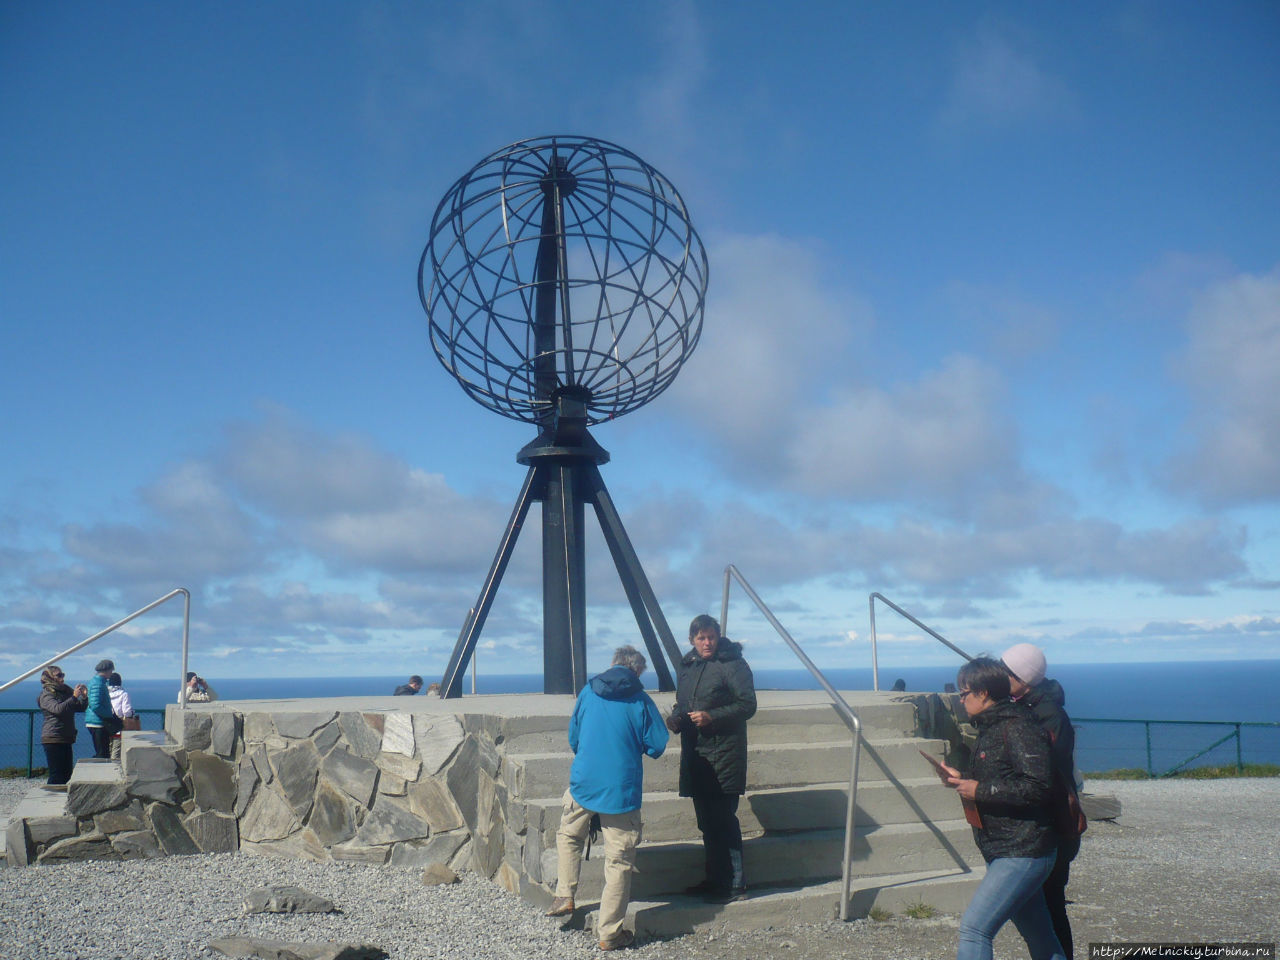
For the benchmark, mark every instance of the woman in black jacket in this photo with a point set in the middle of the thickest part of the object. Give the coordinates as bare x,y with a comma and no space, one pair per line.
1010,780
60,704
715,697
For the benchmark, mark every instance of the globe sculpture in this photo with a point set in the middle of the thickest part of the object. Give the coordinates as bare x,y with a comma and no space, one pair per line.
564,286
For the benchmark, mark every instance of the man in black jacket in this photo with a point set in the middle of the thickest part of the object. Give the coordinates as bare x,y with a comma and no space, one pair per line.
715,697
1027,685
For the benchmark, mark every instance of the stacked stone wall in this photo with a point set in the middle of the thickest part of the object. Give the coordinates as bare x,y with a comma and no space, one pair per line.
406,789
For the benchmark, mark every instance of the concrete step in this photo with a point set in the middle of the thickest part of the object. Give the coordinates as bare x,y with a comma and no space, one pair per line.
946,891
820,806
791,859
545,775
811,723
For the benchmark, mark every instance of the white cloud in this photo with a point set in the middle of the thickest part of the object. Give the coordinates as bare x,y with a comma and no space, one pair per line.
1232,369
996,80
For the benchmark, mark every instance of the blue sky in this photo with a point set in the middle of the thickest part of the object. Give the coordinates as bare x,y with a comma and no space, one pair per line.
993,326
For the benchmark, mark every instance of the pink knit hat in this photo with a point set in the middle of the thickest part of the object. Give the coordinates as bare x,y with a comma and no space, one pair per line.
1026,662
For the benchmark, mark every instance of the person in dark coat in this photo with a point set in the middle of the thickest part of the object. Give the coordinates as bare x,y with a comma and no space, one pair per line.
410,688
1046,700
60,704
715,697
1010,781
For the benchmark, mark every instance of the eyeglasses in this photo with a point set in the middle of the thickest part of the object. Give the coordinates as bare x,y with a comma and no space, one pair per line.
966,693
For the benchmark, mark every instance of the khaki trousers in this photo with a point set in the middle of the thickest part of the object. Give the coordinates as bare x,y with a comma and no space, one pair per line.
621,834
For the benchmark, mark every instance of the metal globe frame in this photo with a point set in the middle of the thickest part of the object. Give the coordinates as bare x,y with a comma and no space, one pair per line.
564,286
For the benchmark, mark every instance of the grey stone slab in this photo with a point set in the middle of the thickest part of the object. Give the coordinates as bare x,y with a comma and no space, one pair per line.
258,727
281,898
300,726
246,782
392,786
197,729
224,733
153,774
124,819
332,816
407,768
361,739
257,754
463,778
18,850
353,775
533,855
268,817
88,846
359,853
486,852
85,798
430,800
296,769
327,737
213,832
248,948
441,848
437,739
213,782
303,845
47,829
389,823
136,845
167,826
397,734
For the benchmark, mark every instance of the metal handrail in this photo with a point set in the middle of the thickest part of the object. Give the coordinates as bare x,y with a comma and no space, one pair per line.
842,709
875,657
186,636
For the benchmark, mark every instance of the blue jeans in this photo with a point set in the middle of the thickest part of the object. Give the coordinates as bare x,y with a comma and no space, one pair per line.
1011,890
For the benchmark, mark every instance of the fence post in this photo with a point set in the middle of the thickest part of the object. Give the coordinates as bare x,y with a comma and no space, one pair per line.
1239,757
31,736
1151,770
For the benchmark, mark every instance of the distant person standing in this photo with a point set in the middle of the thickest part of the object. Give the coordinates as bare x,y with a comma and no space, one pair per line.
1045,698
198,690
614,724
98,718
410,688
59,704
715,697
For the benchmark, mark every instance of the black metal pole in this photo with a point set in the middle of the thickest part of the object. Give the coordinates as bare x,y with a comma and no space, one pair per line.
451,682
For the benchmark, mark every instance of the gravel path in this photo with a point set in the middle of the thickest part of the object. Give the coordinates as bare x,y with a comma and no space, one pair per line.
1192,861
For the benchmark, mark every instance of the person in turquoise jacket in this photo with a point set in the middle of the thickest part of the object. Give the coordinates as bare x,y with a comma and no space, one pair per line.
99,717
614,725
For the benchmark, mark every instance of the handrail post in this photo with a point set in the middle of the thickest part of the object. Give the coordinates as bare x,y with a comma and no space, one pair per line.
875,655
186,638
842,708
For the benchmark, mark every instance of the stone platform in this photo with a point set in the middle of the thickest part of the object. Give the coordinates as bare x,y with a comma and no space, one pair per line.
475,783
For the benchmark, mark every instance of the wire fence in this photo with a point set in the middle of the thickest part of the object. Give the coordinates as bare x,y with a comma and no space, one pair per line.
20,750
1165,747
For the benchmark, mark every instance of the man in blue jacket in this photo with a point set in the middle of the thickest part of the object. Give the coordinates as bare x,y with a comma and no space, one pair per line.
99,717
614,724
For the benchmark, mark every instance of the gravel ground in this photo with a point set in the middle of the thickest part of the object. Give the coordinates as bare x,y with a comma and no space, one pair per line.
1189,861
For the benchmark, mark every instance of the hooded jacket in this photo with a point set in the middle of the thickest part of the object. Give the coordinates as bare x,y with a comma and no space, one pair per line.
1046,701
614,724
724,688
60,706
1013,765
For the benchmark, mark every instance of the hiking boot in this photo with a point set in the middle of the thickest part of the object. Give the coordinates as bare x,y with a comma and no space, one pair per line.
620,941
561,907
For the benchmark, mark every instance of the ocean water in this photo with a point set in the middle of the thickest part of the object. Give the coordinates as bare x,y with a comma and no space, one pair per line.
1204,692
